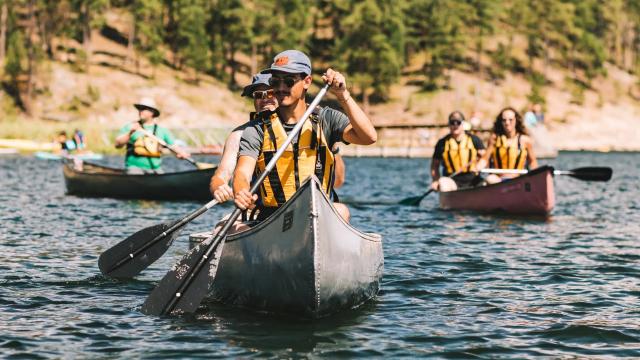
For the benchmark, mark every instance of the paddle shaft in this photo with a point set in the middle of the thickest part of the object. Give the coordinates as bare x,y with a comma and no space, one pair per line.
522,171
217,238
589,173
159,237
163,143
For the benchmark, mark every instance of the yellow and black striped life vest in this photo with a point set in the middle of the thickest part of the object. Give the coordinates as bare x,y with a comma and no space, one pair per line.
458,155
145,146
508,157
303,158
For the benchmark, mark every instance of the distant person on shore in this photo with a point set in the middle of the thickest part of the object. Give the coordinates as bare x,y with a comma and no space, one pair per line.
534,117
143,154
509,147
263,100
457,153
66,146
78,139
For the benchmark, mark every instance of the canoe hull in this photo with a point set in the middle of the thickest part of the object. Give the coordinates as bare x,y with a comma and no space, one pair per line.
304,260
101,181
530,194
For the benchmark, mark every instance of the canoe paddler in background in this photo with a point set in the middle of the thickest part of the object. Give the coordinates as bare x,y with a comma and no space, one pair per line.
457,153
143,152
309,154
509,146
263,100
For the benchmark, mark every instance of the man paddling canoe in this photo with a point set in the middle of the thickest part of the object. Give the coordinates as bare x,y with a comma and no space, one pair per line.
263,100
143,152
457,153
311,152
509,147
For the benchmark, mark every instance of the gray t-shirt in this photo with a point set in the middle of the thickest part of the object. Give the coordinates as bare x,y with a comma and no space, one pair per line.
333,124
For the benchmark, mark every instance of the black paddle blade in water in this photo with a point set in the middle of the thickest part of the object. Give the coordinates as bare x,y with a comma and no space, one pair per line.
592,173
182,289
135,253
412,201
415,201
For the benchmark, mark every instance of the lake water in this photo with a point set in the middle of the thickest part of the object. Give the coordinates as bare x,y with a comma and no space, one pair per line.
455,284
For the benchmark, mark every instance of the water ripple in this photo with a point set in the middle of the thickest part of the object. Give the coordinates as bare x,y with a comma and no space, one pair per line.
456,285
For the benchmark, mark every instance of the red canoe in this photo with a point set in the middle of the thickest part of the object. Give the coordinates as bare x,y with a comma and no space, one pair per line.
530,194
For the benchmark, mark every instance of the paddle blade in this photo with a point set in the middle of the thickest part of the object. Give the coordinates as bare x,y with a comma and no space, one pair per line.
204,166
182,289
415,201
412,201
135,253
592,173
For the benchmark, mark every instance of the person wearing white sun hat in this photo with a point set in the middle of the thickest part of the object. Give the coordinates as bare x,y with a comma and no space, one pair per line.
143,154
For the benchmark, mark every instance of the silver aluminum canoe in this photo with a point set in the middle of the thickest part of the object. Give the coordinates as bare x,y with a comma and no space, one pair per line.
303,260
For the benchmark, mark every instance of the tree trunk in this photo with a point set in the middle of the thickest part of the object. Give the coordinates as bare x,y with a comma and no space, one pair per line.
86,34
365,101
254,58
171,32
479,54
231,63
132,39
3,31
31,28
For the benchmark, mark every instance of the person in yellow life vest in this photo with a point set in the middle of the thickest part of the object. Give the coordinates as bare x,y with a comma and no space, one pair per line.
144,152
311,152
264,99
457,153
509,146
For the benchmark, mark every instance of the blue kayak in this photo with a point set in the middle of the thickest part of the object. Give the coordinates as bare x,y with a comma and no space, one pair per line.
51,156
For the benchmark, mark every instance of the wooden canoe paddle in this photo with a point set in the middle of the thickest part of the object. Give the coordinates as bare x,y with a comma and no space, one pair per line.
182,289
199,165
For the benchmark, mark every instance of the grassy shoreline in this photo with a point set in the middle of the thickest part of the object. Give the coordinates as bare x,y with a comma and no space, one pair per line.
99,137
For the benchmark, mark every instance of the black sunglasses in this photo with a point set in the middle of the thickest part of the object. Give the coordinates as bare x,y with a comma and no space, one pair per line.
455,122
266,94
288,81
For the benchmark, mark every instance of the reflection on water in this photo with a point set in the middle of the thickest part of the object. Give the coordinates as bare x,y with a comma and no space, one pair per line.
455,285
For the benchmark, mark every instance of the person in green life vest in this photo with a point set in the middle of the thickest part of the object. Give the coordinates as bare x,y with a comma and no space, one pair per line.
143,152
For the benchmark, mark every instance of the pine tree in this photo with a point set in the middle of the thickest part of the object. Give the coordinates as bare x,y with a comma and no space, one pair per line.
192,36
90,17
372,47
435,27
146,30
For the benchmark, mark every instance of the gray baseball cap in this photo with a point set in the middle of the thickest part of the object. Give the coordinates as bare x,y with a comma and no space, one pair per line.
290,61
258,79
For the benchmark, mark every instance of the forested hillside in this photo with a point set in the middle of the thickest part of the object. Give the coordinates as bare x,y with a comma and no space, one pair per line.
384,46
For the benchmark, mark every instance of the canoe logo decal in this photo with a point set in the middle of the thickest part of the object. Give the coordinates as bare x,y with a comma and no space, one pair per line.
288,221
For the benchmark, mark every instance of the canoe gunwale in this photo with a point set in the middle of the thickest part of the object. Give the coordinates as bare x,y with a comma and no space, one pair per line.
118,172
266,222
98,181
534,172
513,196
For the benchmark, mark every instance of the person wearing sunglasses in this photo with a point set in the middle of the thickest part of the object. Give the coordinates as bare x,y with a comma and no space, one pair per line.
263,100
310,153
457,153
510,146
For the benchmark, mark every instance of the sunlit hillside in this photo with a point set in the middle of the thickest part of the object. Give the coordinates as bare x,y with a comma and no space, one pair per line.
195,73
